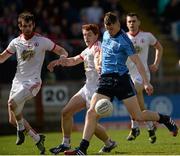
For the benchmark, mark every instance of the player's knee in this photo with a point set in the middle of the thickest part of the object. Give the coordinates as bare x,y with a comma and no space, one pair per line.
91,113
138,117
12,121
12,105
15,108
66,113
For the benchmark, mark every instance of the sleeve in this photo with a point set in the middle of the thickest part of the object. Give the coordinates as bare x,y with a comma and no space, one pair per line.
49,45
83,54
152,39
11,49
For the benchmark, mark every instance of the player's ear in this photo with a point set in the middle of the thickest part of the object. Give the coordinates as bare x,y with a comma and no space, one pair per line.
19,25
139,22
119,24
34,24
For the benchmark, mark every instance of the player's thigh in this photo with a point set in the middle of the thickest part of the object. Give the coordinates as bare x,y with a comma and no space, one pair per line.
95,98
133,108
75,104
21,96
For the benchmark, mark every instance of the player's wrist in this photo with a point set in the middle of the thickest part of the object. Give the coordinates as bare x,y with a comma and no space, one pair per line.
62,56
64,52
156,65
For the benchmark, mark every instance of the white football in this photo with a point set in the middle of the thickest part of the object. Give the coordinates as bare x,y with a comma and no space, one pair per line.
104,107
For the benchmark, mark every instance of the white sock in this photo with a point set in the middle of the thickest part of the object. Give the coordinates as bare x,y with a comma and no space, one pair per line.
149,125
134,124
34,135
108,142
20,125
66,141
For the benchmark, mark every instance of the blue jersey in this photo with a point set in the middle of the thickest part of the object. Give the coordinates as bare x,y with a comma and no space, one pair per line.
115,51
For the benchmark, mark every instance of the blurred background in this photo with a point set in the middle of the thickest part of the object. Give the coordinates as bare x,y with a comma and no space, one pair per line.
61,21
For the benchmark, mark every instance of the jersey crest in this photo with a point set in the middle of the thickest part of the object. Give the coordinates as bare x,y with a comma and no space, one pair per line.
27,54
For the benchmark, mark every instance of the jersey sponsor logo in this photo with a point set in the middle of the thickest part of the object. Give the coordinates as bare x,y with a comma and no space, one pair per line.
138,49
27,54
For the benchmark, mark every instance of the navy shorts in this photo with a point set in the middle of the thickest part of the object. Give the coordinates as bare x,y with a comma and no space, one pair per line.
113,85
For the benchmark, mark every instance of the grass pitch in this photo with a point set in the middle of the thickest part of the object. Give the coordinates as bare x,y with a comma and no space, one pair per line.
165,144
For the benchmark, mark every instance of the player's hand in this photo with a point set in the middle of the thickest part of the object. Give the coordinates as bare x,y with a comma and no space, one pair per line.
148,88
51,65
153,68
63,61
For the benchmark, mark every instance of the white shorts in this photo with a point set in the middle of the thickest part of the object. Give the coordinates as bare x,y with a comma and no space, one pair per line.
87,92
23,90
137,78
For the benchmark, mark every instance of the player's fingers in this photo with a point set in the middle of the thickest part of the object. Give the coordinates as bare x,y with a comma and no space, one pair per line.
50,68
149,90
153,68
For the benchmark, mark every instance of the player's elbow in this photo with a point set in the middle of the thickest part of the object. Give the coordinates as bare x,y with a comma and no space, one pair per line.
2,59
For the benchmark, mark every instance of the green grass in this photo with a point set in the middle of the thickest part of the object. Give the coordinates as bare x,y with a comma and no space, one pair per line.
165,145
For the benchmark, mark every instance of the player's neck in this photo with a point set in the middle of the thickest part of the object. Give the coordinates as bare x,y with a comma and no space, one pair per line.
27,37
89,46
133,33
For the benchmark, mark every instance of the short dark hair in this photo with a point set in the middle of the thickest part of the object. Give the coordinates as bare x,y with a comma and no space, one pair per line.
131,14
93,27
26,16
110,18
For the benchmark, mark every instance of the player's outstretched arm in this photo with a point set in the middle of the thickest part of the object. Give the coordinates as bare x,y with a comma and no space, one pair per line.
60,51
64,61
4,56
